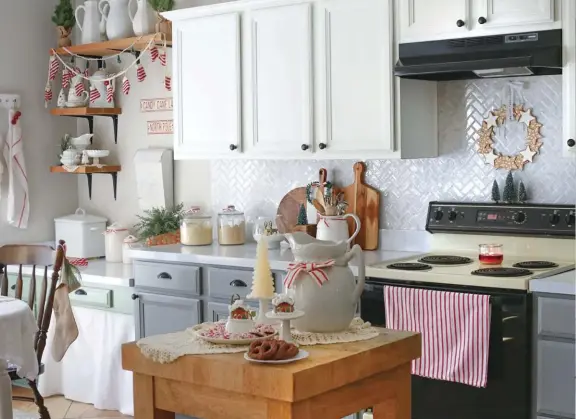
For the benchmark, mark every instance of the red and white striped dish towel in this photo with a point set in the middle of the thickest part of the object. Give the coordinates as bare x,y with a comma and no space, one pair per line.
455,331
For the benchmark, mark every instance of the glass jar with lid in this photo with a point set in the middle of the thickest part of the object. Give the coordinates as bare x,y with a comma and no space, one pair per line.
231,226
196,228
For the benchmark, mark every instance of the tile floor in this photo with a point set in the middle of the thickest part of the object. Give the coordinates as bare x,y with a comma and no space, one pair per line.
61,408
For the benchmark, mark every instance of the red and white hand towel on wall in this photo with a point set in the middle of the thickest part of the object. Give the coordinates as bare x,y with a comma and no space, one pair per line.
455,331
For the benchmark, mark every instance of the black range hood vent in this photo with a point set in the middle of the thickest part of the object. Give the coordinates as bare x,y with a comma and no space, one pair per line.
523,54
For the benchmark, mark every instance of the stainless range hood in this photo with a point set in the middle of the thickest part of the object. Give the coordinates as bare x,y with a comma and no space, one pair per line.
521,54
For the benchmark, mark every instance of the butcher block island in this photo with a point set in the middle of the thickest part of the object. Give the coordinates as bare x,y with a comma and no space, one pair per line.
226,386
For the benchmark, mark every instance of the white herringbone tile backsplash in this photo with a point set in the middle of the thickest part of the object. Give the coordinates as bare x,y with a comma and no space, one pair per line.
459,174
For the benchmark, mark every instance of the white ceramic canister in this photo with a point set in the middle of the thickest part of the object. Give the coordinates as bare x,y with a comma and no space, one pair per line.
114,242
128,244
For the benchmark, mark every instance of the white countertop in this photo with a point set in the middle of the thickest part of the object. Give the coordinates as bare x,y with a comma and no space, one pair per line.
243,256
97,272
564,283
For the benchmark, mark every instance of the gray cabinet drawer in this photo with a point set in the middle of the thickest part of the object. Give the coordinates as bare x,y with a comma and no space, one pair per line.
92,297
556,316
166,276
224,283
555,378
216,312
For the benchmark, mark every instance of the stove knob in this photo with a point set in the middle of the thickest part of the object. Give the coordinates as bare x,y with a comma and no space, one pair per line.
570,219
438,215
554,219
520,218
452,215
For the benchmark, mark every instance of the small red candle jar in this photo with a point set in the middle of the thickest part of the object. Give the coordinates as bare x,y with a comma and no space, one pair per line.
491,254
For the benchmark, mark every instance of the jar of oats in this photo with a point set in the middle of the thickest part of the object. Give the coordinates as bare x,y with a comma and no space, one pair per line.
196,228
231,226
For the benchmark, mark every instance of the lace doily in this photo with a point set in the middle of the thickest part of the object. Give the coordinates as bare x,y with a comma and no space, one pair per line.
167,348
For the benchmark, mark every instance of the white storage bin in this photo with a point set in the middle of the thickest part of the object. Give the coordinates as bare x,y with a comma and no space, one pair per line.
114,243
83,234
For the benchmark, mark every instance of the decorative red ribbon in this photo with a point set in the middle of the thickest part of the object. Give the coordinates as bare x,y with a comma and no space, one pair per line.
83,262
315,270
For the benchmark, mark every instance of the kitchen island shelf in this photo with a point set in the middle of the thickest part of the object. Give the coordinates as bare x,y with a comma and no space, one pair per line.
89,171
89,114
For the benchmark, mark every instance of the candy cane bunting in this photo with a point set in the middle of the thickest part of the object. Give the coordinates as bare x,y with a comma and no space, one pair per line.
53,68
79,88
109,91
141,73
47,94
94,94
125,85
163,58
168,83
66,77
154,53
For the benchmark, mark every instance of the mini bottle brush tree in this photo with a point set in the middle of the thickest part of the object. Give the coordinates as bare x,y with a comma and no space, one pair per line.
509,189
496,192
302,216
522,194
262,284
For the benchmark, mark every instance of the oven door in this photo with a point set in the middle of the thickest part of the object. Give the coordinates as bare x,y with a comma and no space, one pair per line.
507,394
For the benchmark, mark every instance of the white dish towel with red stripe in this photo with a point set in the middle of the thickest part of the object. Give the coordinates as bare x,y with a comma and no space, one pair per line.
455,331
18,208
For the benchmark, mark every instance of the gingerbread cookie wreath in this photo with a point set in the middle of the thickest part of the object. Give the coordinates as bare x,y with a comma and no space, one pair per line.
486,141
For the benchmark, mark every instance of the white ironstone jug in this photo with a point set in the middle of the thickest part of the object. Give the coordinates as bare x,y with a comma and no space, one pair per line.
322,283
118,23
144,20
90,26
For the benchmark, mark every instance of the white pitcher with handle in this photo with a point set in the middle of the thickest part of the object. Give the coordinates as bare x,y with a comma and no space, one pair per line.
118,23
144,20
335,228
90,26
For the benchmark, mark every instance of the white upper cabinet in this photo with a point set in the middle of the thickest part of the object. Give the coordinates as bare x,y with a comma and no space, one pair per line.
278,64
428,20
355,80
207,86
569,77
433,19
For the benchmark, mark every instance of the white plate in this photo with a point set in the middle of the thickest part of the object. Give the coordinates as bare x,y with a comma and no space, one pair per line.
302,354
220,341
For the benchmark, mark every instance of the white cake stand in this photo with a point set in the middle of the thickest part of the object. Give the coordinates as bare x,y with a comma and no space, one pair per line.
285,318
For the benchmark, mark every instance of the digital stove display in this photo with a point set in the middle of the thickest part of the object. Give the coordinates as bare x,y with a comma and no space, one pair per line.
492,216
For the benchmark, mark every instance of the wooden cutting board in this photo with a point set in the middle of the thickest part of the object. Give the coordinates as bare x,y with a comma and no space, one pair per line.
364,201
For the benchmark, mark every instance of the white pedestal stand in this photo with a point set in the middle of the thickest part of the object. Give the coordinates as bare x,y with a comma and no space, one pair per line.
285,318
261,317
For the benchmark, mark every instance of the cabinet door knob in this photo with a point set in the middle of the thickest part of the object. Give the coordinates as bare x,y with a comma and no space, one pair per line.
233,147
164,275
305,147
571,142
482,20
322,146
135,296
13,287
460,23
238,283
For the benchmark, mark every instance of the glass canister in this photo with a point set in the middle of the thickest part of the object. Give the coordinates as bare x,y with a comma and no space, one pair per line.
196,228
231,226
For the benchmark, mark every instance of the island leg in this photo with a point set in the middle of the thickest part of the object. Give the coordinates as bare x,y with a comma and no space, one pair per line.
144,407
398,406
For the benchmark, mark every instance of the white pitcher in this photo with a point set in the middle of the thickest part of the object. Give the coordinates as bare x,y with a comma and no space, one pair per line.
144,20
97,81
335,228
118,23
105,10
90,26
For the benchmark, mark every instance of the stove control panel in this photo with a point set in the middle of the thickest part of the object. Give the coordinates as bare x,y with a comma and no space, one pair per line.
505,219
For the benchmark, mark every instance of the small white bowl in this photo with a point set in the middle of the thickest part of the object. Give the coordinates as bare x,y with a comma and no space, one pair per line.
98,154
239,326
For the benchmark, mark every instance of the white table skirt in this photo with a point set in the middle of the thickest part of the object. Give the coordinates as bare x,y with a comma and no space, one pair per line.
91,371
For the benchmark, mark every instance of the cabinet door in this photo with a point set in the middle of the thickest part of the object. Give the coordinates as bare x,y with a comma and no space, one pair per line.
355,82
217,312
279,58
512,12
569,77
555,378
207,86
426,20
158,314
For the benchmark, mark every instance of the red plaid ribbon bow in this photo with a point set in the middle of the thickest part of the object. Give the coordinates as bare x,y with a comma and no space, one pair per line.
315,270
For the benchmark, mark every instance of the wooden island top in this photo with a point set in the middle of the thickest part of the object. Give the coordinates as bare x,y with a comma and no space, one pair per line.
335,381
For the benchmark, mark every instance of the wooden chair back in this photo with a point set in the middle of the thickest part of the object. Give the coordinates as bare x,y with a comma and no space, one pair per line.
35,256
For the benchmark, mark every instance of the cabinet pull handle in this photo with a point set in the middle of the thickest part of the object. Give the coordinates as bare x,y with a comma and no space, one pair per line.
164,275
305,147
460,23
571,142
482,20
233,147
13,287
238,283
322,146
80,292
135,296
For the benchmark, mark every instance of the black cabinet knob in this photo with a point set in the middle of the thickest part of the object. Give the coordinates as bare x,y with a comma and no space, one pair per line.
322,146
460,23
482,20
135,296
233,147
305,147
80,292
13,287
571,142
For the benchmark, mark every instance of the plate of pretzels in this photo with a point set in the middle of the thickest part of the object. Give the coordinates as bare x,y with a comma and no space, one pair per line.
272,351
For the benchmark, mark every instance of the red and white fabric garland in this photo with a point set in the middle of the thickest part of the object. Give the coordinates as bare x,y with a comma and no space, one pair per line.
168,83
66,77
125,85
140,73
109,91
94,94
154,53
163,58
53,68
314,269
47,94
79,88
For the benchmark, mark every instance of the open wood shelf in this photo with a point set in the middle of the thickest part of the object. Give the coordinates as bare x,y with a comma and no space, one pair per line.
86,111
83,170
103,49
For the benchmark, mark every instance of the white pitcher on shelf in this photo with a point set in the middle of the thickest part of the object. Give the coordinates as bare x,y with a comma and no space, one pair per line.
144,20
90,26
97,81
118,23
103,16
74,100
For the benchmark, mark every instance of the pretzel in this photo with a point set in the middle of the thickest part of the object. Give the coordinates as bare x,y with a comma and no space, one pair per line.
286,350
263,350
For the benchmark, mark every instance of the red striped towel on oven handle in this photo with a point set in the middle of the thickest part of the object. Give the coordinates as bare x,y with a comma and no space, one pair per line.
455,331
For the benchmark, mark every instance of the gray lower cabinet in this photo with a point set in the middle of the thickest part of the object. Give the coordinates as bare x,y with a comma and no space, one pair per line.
216,312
